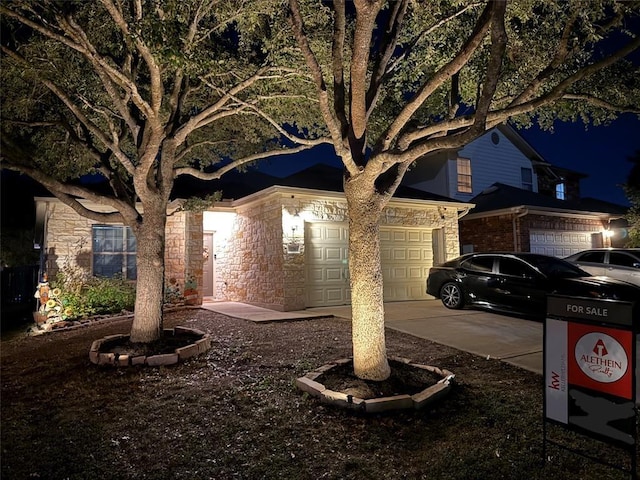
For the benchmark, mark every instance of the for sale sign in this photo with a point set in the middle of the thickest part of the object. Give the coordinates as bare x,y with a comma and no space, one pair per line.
590,368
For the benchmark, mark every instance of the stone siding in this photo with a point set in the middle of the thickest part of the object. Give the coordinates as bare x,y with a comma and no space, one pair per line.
68,244
249,262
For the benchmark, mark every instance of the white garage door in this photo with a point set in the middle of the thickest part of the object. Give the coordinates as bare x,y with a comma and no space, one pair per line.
558,243
326,260
407,255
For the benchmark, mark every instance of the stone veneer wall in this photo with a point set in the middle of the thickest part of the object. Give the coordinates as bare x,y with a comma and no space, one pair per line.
183,250
69,242
249,265
254,265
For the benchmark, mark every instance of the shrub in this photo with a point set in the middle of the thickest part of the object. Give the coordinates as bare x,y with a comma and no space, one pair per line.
96,296
109,295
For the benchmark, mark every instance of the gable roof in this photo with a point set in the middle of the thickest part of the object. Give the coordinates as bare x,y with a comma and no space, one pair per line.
236,185
500,197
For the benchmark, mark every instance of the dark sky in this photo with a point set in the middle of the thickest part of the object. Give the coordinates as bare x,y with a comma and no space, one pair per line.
600,152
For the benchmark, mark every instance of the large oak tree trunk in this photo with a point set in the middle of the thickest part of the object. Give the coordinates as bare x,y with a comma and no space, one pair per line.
150,237
367,307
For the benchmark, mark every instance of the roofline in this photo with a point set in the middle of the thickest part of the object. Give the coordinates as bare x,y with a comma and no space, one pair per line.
311,193
518,140
549,211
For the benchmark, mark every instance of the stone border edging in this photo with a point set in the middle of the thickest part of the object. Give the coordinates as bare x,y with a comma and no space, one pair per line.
310,384
180,354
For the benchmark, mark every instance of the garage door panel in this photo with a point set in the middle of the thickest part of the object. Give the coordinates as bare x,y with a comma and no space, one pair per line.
559,244
406,256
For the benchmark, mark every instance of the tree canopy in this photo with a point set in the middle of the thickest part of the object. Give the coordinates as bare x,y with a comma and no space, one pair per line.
140,92
399,80
114,88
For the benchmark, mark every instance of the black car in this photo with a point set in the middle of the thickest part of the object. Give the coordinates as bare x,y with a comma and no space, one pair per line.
518,282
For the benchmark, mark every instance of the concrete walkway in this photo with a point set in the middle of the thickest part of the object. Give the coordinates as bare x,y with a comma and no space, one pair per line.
513,340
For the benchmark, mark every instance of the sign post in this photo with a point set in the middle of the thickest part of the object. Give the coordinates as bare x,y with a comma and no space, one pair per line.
591,369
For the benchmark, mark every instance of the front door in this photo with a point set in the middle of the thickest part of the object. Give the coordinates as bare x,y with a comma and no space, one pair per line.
208,273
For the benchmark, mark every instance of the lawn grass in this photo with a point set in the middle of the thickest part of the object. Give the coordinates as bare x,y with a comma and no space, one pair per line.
234,413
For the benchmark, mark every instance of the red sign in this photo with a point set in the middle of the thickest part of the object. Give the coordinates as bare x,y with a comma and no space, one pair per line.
599,358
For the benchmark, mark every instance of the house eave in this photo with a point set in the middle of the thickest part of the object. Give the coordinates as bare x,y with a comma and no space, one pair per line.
534,210
285,191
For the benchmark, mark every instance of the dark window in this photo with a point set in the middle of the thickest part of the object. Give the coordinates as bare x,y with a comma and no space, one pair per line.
622,259
591,257
114,252
479,264
527,178
510,266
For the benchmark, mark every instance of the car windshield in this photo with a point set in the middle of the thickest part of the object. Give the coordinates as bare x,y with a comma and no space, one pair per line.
556,268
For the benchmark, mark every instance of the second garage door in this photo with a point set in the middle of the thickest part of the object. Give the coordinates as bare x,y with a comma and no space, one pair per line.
406,256
558,243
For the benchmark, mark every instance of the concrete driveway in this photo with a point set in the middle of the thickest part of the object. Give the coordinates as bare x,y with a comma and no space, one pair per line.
513,340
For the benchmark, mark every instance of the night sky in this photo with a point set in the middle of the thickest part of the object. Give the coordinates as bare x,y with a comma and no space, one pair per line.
599,152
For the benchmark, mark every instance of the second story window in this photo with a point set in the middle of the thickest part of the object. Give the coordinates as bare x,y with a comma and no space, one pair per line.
527,178
464,175
560,191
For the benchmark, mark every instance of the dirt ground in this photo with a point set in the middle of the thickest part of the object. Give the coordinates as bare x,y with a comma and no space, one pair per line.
234,413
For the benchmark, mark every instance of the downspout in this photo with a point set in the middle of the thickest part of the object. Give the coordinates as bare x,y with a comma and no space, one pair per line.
518,213
463,212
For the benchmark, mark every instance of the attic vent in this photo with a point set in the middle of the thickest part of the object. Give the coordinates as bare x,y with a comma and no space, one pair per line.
495,138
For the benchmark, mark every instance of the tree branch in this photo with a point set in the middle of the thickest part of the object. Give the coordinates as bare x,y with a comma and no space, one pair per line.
366,14
390,41
330,119
442,75
339,95
194,172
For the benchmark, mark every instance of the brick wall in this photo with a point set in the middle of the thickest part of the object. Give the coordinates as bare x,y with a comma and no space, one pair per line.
492,234
489,234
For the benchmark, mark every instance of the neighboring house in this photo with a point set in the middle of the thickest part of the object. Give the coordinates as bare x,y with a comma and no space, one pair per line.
522,203
276,243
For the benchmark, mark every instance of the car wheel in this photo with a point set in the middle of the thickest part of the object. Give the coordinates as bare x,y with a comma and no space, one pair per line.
451,296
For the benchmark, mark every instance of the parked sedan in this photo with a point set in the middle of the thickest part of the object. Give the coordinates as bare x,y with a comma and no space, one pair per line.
518,282
620,263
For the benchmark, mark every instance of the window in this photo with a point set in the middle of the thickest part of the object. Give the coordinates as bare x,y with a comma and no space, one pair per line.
560,191
527,178
464,175
591,257
479,264
515,268
114,252
622,259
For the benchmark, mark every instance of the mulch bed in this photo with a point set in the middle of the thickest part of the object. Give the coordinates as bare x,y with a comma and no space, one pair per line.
234,412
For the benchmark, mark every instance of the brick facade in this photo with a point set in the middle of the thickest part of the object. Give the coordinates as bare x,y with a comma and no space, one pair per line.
511,232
